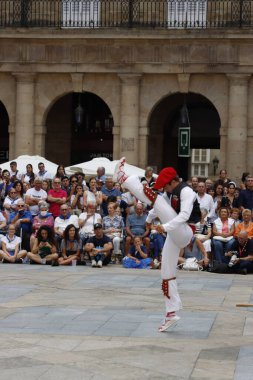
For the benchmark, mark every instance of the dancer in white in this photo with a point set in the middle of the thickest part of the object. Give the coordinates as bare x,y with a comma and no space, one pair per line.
178,215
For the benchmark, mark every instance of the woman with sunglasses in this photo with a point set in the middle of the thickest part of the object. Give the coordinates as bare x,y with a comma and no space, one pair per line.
11,252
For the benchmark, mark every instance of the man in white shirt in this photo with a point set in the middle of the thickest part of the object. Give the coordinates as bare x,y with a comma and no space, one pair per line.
62,221
34,195
43,173
14,172
206,201
178,223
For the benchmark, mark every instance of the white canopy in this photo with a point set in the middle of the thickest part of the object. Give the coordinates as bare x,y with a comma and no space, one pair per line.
89,168
22,161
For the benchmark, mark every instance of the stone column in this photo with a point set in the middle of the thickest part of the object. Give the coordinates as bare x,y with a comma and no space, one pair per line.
116,142
129,117
143,147
24,139
39,140
237,125
11,142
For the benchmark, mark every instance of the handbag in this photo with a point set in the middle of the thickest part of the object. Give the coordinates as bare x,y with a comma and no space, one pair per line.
191,264
223,239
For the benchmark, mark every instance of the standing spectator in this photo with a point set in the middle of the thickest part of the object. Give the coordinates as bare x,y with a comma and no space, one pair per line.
244,180
14,172
11,252
29,175
99,247
107,191
43,173
223,179
101,174
209,184
148,176
246,196
34,195
136,226
56,197
92,195
230,201
80,179
60,172
206,201
194,183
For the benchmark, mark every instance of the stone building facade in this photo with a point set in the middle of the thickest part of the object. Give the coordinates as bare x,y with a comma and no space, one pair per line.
143,76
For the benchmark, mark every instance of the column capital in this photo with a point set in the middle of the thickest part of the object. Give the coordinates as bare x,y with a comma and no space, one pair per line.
238,79
24,77
130,79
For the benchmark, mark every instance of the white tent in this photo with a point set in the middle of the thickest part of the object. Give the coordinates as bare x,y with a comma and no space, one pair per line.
22,161
89,168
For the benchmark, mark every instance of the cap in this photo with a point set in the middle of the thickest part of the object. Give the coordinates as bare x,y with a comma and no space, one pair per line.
165,176
97,225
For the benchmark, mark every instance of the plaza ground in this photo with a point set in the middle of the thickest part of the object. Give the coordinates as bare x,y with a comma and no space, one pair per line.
89,323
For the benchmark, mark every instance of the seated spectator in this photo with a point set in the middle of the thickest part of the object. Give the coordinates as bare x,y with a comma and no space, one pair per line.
218,195
194,249
14,172
204,231
124,209
211,191
86,222
56,197
65,185
44,249
230,201
235,215
137,256
223,231
26,186
44,218
245,225
99,247
22,219
3,222
70,246
156,237
93,195
107,191
5,185
29,176
62,221
243,247
80,179
10,203
11,251
136,226
46,185
18,186
113,226
209,184
130,200
34,195
76,200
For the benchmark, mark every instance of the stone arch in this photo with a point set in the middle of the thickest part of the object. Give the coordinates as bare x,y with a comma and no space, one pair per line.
78,142
163,123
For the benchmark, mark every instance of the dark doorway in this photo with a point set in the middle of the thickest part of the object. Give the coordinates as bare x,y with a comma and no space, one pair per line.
165,121
80,126
4,134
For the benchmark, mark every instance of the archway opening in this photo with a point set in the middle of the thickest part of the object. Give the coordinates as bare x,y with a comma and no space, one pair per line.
164,124
4,139
79,128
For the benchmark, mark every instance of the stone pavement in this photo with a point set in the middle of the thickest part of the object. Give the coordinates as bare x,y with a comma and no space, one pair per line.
87,323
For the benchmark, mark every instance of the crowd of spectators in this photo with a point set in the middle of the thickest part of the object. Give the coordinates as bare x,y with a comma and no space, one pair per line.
52,218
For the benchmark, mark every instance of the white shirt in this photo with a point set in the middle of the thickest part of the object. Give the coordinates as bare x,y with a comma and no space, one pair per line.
16,173
206,201
44,175
11,244
219,225
187,198
40,195
63,223
88,227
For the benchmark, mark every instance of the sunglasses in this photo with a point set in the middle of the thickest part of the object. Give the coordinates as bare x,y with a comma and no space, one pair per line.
64,209
57,182
12,192
21,206
73,181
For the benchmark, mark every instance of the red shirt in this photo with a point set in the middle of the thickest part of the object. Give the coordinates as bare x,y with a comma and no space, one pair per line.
55,207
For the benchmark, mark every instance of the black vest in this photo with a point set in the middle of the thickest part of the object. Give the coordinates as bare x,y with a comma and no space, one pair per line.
176,204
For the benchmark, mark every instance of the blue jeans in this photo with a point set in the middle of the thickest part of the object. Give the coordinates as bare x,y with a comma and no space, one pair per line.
220,248
158,243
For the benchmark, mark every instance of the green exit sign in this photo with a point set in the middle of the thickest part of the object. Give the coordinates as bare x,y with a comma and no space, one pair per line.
184,136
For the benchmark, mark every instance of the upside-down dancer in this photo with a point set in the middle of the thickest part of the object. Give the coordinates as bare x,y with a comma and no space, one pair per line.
178,213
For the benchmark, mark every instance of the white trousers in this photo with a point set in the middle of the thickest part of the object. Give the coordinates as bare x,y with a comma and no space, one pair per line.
175,240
